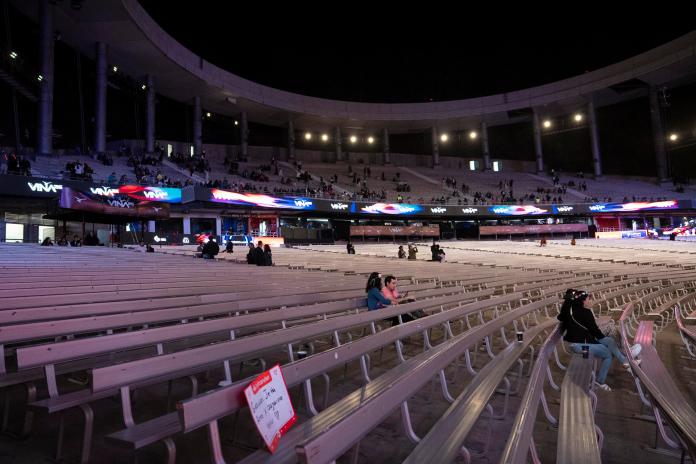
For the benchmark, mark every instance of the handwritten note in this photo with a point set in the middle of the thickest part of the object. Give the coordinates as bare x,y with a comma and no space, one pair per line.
270,406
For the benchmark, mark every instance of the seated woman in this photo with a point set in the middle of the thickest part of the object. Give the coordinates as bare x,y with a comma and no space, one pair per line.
412,252
375,298
580,330
401,254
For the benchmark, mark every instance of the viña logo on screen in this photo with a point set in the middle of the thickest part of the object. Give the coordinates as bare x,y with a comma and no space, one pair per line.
303,203
469,210
45,186
340,206
438,210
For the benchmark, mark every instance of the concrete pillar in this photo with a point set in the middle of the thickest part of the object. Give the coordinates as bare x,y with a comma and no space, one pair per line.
594,139
338,144
658,136
385,146
291,140
218,226
151,226
436,146
100,100
187,225
484,147
44,133
537,143
245,136
150,116
197,126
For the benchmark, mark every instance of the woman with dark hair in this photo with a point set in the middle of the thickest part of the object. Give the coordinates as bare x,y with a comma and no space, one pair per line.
375,299
267,256
251,256
580,330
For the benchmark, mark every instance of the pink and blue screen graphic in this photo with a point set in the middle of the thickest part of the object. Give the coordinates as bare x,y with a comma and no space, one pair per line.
264,201
517,210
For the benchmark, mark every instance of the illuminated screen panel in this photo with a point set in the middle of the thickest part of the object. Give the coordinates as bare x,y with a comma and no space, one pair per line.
264,201
635,206
517,210
391,208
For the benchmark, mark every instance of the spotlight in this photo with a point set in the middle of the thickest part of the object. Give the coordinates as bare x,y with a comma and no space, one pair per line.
353,139
143,87
39,78
673,137
207,115
370,140
444,138
114,69
324,137
547,123
308,136
236,123
13,55
473,135
578,117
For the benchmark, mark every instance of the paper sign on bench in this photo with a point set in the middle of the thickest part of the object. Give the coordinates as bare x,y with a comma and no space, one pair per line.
270,406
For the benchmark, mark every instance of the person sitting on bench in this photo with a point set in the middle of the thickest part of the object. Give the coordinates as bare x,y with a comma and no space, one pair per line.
375,298
401,254
580,330
211,249
391,293
251,255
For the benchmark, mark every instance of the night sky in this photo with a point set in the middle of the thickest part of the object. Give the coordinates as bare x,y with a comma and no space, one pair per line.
359,55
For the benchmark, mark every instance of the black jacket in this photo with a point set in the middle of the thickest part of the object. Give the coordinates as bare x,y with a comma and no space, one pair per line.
251,256
211,248
268,258
579,324
259,257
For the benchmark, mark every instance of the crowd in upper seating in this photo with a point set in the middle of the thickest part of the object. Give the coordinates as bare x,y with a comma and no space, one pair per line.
18,165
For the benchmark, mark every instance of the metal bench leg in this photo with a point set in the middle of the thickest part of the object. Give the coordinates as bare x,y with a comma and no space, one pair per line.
445,390
406,420
171,450
29,415
309,397
61,434
88,414
214,443
327,382
547,411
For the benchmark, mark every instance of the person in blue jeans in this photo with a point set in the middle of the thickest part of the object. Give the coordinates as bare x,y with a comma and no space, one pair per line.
580,329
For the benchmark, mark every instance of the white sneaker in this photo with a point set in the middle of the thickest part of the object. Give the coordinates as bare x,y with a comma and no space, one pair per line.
628,366
636,349
603,386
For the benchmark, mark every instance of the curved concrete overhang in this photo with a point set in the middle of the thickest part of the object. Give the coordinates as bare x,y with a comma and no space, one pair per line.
139,46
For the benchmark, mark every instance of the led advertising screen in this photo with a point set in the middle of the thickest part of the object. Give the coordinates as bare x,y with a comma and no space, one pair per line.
517,210
261,200
635,206
390,208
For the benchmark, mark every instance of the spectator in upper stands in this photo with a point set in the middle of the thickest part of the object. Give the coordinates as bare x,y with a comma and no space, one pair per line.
141,247
580,330
76,242
259,257
412,252
91,239
12,164
210,249
375,298
350,248
63,241
112,178
267,255
47,242
251,254
401,253
24,166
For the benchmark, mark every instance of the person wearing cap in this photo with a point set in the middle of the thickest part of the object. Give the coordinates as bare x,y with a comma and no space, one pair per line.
580,330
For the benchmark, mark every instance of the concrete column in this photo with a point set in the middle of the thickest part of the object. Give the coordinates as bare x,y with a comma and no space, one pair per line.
218,226
658,136
594,139
484,147
436,146
385,146
245,136
537,143
338,144
44,133
197,126
187,225
151,226
100,100
291,140
150,116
